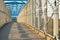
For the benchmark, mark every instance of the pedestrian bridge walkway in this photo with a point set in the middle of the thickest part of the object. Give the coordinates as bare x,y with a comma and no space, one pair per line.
37,20
16,31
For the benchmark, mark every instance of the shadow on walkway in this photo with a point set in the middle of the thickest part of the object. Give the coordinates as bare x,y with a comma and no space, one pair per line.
23,35
4,32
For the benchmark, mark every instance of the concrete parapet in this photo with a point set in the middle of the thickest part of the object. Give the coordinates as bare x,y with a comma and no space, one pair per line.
5,16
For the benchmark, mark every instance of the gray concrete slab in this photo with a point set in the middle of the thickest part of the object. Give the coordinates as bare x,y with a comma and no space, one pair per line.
15,31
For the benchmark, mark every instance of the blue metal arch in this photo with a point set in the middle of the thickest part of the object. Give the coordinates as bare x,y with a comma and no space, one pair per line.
13,3
15,0
15,6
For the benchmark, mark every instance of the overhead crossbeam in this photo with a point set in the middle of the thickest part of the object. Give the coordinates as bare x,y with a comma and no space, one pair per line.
13,3
15,6
15,0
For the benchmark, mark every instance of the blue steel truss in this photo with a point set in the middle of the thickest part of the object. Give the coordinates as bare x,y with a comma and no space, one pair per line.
15,6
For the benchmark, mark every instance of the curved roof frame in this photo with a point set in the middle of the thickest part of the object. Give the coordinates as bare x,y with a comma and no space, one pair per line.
18,4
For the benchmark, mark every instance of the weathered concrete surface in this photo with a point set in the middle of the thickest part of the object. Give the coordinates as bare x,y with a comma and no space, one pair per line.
3,7
4,14
15,31
25,14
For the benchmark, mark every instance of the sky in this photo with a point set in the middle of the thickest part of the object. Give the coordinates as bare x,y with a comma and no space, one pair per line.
50,11
49,8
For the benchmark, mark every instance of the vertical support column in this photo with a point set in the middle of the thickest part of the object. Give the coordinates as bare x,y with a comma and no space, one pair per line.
29,19
44,5
38,10
31,11
34,13
55,21
39,14
26,14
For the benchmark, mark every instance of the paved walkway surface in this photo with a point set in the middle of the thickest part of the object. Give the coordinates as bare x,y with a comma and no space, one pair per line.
15,31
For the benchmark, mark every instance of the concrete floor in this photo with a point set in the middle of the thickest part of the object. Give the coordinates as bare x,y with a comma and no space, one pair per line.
15,31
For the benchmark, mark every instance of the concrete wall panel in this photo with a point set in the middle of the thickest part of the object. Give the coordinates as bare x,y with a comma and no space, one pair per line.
5,16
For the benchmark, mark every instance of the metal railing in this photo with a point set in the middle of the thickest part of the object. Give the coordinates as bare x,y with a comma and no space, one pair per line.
28,15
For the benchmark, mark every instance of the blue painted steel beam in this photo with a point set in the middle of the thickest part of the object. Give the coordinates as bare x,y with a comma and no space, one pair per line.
13,3
19,5
15,0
